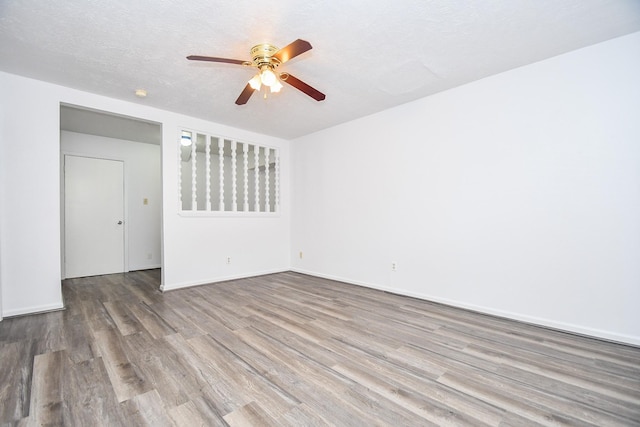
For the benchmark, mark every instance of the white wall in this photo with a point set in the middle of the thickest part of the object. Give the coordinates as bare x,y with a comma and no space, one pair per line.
194,249
2,198
142,181
30,207
516,195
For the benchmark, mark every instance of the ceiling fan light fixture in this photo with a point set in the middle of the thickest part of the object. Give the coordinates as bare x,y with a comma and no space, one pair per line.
266,58
255,82
275,87
268,77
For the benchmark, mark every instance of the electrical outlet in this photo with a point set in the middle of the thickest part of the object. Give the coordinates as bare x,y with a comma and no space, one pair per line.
149,256
394,266
228,260
300,254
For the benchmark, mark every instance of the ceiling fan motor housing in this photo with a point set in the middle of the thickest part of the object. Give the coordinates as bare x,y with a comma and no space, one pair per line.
262,55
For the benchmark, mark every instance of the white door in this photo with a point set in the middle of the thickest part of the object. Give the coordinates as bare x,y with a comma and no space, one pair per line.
93,216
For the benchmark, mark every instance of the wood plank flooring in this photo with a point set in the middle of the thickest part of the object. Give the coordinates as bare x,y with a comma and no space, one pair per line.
293,350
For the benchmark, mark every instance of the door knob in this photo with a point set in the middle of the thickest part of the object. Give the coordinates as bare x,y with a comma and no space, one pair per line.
119,222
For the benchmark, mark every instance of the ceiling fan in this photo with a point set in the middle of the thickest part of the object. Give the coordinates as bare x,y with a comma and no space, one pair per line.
267,58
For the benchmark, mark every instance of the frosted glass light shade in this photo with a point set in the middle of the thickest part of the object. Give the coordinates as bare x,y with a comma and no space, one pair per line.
255,82
276,86
268,77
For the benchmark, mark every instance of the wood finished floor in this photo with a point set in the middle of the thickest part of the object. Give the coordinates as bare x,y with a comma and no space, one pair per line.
289,349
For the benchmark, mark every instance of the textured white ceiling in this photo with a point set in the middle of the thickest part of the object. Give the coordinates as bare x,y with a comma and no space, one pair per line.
368,55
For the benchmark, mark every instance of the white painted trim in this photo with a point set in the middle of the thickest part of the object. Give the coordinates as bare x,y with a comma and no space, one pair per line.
144,267
220,279
536,321
228,214
34,310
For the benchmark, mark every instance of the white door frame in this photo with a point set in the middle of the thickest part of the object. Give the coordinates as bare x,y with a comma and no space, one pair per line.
62,204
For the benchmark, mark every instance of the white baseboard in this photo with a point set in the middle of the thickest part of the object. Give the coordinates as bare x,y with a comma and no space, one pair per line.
538,321
144,267
182,285
32,310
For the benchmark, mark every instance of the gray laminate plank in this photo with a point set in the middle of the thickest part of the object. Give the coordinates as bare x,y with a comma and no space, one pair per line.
80,343
302,415
46,396
176,319
151,322
540,348
507,392
312,349
146,409
144,287
527,404
421,404
189,415
89,398
326,390
236,371
205,406
514,420
51,336
291,349
215,395
569,372
126,378
228,319
525,334
421,391
96,314
125,321
160,369
250,415
16,371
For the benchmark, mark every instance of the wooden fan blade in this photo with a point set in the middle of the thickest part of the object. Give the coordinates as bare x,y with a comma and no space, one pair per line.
292,50
245,95
303,87
214,59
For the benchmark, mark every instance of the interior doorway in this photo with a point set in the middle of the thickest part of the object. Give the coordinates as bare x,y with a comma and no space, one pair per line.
94,216
98,138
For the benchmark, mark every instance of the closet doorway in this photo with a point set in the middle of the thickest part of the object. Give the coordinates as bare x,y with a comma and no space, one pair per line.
94,216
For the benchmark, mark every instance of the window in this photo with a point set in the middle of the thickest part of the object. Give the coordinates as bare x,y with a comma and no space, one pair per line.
223,175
